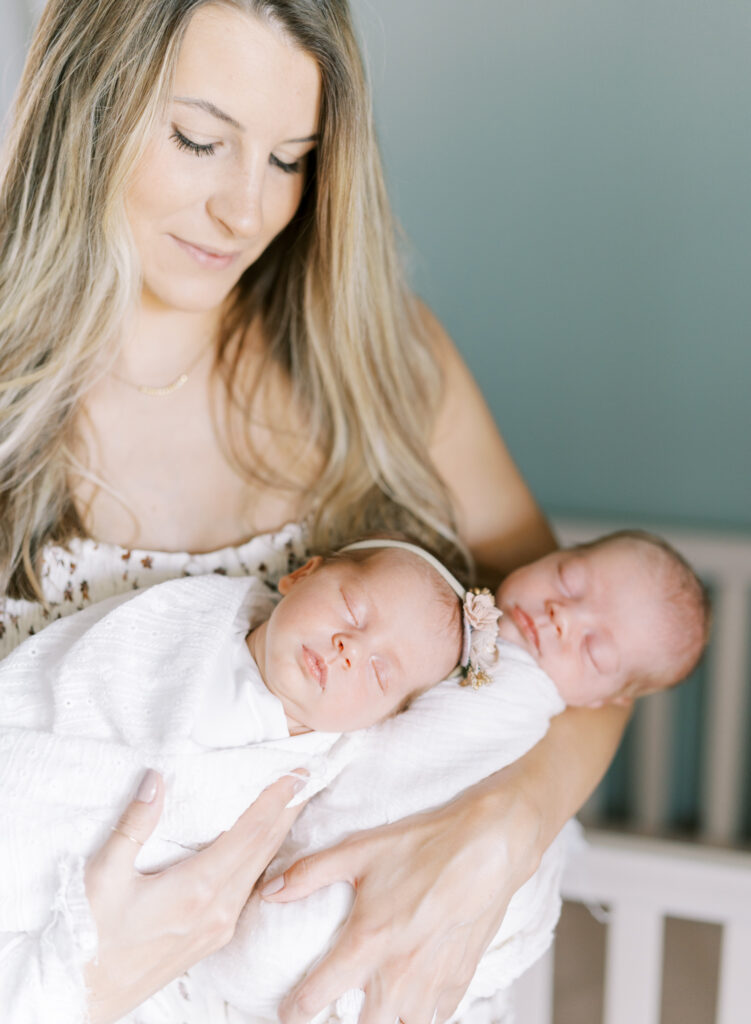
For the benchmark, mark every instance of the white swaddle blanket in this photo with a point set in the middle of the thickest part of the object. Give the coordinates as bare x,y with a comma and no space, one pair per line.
448,739
92,700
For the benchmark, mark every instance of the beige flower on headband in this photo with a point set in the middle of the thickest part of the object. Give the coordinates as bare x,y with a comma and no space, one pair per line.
481,630
481,611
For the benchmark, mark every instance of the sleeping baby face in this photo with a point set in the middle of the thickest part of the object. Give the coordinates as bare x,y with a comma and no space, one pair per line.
354,638
595,619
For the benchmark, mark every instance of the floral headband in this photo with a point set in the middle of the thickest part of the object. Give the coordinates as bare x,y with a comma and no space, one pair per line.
479,619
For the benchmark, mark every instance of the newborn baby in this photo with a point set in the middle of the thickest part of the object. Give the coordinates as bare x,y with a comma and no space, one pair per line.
355,636
608,621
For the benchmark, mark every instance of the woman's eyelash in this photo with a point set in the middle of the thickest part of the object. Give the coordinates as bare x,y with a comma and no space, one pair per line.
207,149
292,168
182,142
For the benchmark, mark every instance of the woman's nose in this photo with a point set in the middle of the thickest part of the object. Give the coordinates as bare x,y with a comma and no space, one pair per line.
238,204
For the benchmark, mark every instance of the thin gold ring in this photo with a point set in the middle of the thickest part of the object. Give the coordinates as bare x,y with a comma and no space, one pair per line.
122,832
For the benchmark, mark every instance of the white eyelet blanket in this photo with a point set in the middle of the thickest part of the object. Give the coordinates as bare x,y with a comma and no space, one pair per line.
76,738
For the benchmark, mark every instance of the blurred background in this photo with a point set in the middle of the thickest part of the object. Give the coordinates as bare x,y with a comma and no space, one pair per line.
573,182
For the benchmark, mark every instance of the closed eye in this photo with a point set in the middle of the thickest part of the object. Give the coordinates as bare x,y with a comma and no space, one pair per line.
562,582
590,654
380,674
196,148
350,613
603,654
572,577
295,167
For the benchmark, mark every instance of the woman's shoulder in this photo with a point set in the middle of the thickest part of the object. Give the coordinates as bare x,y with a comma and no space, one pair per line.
86,571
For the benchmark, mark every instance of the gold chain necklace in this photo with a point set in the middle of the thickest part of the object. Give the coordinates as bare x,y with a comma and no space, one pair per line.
165,389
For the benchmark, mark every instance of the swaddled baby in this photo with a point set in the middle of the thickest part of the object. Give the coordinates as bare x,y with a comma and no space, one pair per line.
166,678
607,622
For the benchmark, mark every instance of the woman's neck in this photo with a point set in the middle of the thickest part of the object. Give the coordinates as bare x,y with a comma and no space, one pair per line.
160,343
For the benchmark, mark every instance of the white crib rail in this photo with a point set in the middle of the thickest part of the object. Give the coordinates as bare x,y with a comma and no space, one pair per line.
641,882
725,562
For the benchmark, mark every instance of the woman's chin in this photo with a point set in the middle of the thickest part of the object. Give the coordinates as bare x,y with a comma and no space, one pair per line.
190,296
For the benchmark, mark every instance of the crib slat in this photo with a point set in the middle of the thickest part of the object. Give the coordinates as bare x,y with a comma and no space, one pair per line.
734,997
655,740
533,993
633,966
721,794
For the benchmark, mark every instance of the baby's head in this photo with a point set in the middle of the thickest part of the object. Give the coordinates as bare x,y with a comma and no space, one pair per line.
356,635
610,620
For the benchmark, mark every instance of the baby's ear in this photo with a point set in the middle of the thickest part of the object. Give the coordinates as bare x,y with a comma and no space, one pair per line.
286,583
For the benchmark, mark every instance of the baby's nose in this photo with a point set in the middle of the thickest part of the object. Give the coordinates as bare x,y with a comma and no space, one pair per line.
343,649
555,617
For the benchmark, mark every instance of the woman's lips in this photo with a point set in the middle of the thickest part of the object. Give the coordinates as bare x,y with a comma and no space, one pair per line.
315,665
526,626
206,257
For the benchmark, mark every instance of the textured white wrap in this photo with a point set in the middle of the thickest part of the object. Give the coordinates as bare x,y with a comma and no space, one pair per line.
450,738
85,706
88,703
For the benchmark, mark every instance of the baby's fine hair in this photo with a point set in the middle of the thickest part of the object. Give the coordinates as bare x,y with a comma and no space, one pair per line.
687,603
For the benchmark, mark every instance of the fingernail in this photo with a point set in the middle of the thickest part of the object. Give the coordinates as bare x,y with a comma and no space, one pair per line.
301,779
273,886
147,789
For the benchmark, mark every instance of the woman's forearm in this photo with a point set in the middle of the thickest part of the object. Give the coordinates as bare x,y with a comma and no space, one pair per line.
554,779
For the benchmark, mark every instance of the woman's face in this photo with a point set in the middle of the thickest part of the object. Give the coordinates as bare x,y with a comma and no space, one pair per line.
223,173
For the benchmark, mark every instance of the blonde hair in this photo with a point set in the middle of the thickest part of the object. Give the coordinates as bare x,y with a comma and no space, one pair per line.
328,292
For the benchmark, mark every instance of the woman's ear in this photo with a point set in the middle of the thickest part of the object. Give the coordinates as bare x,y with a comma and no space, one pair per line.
286,583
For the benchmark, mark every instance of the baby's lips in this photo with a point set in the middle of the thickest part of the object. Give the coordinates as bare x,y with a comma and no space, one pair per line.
316,666
526,626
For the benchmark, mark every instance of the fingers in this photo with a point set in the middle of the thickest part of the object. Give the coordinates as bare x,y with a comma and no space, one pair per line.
326,983
249,845
136,824
339,864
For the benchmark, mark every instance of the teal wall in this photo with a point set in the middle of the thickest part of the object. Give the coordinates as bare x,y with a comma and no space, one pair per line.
575,181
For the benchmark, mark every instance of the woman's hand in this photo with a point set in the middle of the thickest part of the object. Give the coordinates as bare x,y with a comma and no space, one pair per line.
153,927
430,893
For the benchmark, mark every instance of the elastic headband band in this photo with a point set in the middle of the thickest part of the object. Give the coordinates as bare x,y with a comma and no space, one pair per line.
439,567
479,614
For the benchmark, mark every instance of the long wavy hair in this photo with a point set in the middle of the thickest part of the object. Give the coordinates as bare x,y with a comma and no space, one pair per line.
328,292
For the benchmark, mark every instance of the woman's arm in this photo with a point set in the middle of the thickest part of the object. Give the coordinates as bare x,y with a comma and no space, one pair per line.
432,890
497,516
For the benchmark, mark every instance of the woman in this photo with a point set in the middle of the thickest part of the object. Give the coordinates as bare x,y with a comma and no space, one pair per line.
205,336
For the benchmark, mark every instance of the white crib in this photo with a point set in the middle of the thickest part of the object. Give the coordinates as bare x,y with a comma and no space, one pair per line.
642,881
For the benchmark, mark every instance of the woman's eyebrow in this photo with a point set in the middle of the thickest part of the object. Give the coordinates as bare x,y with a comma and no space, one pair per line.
215,111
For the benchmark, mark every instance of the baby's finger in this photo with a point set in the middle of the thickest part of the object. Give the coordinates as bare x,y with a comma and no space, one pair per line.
135,826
